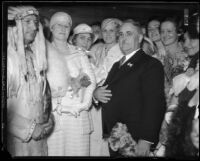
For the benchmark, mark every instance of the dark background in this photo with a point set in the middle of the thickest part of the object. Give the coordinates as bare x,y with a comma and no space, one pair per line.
92,11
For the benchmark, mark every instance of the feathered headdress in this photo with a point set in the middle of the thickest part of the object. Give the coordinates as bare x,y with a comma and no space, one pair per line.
16,39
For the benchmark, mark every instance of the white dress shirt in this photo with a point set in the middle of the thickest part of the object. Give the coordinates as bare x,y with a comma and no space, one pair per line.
129,56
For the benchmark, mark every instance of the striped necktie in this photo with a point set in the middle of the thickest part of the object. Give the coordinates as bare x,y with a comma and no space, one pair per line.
122,61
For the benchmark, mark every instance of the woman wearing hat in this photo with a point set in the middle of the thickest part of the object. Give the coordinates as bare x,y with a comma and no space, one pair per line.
104,55
83,38
71,97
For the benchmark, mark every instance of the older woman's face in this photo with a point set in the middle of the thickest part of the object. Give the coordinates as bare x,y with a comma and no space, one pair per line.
84,40
195,133
153,30
61,31
168,33
109,34
30,25
191,46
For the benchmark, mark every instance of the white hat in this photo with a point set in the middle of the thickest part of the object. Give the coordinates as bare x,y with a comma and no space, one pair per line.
82,28
60,17
111,21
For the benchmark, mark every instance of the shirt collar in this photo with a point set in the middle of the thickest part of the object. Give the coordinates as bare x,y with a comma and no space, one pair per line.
130,55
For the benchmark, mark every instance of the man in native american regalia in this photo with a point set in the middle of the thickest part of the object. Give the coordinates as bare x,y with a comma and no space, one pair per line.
29,119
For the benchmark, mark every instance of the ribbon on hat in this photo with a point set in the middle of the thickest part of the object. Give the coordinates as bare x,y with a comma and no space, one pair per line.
82,28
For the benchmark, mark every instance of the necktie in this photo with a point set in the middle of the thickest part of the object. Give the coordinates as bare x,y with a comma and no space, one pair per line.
122,61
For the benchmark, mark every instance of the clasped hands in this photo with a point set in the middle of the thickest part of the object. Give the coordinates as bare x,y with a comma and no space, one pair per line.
67,109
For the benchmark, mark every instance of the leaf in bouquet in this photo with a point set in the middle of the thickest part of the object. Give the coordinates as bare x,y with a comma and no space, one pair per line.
124,128
114,144
127,151
117,131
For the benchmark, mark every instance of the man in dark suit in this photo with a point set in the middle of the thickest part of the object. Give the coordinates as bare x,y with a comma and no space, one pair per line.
133,92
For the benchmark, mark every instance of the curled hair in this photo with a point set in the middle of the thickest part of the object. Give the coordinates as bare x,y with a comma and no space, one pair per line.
192,27
173,21
179,143
154,18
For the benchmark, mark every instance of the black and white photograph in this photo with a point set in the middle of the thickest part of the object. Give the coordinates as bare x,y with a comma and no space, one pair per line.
100,79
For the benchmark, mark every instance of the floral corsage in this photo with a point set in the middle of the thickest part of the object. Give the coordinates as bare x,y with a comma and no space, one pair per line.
120,140
76,83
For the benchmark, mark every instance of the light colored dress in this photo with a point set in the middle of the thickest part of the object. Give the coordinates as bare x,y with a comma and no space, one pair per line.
104,61
71,135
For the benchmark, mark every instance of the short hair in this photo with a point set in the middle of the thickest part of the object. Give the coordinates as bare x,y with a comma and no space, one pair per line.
136,24
153,18
97,23
179,143
173,21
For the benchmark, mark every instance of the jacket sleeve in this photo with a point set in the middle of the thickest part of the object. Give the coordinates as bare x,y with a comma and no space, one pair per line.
154,101
88,92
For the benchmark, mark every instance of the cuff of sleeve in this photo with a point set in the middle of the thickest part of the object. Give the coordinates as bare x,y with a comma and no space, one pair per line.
33,124
95,100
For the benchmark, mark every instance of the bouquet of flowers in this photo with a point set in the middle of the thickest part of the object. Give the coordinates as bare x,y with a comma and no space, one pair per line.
120,140
81,81
175,65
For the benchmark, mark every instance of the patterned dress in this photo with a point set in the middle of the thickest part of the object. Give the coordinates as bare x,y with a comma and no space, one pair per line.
71,135
174,64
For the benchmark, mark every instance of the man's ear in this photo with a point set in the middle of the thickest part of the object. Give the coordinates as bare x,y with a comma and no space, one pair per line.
140,38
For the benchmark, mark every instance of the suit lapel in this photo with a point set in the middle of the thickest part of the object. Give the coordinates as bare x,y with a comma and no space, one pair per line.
112,72
128,66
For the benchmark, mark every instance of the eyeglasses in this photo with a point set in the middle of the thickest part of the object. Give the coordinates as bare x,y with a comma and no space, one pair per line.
60,26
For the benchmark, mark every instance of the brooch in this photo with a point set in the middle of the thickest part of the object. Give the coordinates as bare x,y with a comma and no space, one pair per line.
130,64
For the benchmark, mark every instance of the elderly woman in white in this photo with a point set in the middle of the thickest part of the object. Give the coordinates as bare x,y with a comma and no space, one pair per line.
71,98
